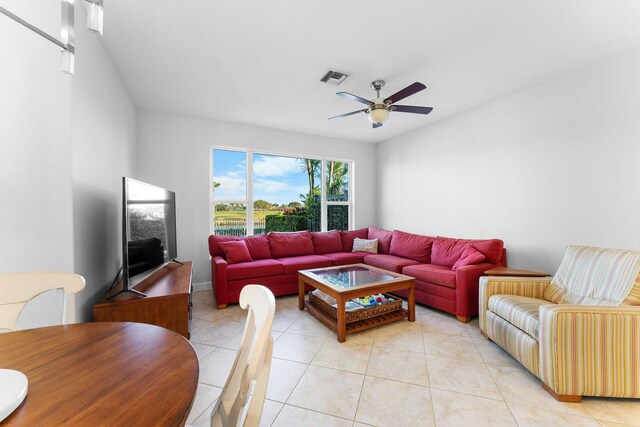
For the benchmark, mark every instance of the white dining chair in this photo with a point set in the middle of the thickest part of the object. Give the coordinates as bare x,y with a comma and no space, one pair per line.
242,398
17,289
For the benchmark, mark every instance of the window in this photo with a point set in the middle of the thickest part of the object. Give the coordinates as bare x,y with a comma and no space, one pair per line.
257,192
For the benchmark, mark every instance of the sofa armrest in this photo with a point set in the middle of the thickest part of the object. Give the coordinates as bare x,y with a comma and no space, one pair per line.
590,350
467,288
219,279
532,287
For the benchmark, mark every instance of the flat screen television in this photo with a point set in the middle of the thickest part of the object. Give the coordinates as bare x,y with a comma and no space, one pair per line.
148,231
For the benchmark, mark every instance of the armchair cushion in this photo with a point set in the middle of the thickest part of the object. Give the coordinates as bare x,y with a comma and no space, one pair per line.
594,276
521,312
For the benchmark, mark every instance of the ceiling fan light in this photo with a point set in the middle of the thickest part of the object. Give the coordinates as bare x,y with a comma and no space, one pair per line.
378,115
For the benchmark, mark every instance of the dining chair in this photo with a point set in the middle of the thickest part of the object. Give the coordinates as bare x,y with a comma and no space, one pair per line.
17,289
242,398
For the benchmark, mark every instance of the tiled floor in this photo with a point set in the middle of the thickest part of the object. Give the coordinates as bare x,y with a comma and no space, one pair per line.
435,371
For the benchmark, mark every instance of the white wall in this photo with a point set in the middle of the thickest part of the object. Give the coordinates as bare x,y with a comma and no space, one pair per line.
35,164
103,140
36,225
66,142
553,165
175,153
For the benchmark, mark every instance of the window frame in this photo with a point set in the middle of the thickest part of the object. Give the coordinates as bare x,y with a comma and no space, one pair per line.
249,153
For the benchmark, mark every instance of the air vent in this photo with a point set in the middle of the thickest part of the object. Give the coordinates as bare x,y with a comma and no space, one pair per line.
334,77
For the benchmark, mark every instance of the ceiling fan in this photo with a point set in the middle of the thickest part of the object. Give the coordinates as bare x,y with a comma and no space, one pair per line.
378,109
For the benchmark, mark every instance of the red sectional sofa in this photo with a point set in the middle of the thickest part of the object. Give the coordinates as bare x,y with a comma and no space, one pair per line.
446,270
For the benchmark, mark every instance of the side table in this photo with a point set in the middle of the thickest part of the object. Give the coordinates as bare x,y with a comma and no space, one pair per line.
505,271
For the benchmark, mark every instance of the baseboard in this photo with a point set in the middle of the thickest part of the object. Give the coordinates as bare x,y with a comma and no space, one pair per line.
202,286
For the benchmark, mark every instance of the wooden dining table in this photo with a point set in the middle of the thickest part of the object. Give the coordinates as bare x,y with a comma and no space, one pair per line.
105,373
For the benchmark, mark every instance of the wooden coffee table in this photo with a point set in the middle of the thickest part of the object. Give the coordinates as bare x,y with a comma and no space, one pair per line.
354,281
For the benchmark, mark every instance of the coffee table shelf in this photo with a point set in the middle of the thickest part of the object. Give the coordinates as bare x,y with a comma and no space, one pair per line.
353,281
358,325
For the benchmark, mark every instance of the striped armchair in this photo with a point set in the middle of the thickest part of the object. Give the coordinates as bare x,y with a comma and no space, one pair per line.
579,332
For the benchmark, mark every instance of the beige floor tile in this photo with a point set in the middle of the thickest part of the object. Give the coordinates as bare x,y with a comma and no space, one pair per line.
299,348
465,377
455,346
392,403
529,416
347,356
454,409
365,337
282,321
441,323
398,365
522,387
202,349
493,354
205,396
290,416
625,411
215,366
328,391
234,342
400,337
270,411
283,378
215,333
204,420
309,325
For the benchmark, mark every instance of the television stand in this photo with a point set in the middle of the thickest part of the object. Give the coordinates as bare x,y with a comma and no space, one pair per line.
133,291
167,302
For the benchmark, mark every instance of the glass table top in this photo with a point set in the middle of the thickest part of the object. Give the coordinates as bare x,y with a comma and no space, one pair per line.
352,276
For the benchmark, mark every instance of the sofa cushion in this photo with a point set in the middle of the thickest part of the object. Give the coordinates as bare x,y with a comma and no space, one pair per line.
235,252
634,295
469,256
521,312
389,262
347,237
326,242
365,245
412,246
384,238
257,245
431,273
260,268
346,258
594,276
446,251
305,262
290,244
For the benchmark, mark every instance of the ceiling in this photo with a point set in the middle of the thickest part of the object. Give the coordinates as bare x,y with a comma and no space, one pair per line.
260,62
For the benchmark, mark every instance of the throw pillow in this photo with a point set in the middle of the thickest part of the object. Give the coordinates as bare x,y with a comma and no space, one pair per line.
365,245
469,256
235,251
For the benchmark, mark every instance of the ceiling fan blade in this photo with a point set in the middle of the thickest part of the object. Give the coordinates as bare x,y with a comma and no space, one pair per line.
407,91
377,125
411,109
355,98
348,114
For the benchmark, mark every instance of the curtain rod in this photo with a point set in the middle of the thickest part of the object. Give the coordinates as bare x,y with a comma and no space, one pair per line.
66,46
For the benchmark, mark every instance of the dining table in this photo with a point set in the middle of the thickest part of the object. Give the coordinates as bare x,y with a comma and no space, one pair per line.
101,374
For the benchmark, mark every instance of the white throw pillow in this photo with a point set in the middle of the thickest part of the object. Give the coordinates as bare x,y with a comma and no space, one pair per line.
364,245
